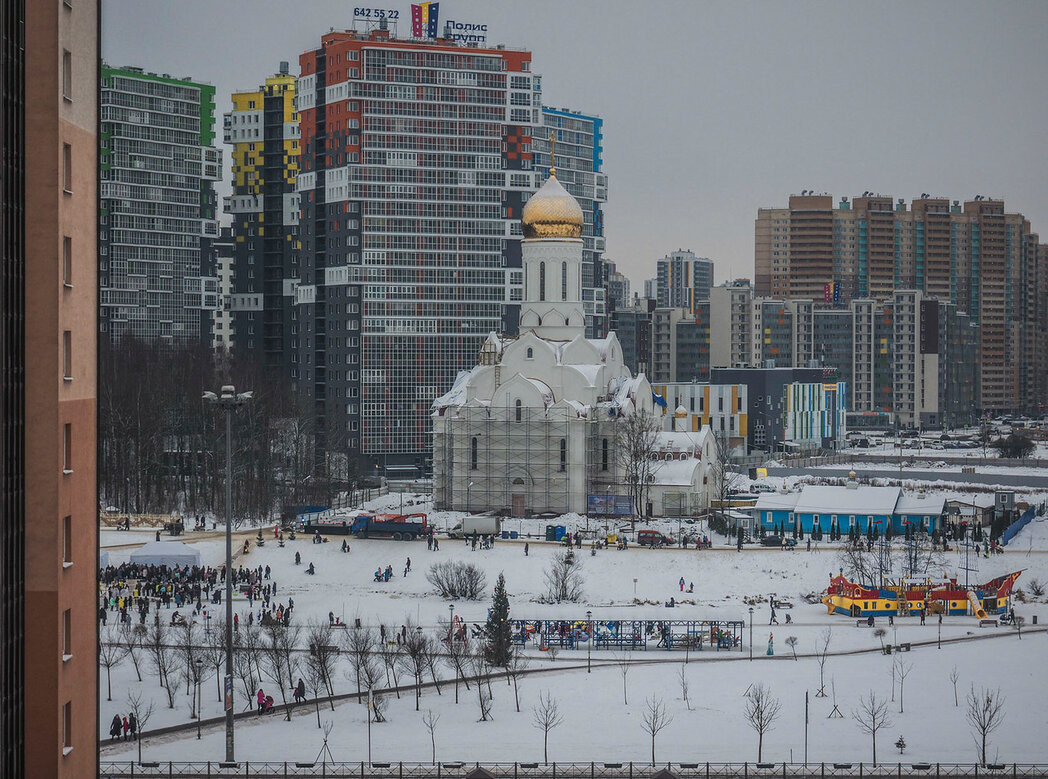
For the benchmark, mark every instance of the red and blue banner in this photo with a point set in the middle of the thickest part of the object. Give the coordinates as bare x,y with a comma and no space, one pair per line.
424,20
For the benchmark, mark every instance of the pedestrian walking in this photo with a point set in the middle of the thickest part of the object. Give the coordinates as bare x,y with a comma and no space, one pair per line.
127,728
260,697
133,725
681,583
525,554
773,620
114,727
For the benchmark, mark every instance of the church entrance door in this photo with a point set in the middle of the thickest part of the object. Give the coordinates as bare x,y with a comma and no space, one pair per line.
518,505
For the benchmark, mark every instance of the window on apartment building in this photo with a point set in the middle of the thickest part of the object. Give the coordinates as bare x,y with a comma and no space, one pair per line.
67,168
67,634
67,261
67,355
67,728
67,448
67,541
67,75
720,403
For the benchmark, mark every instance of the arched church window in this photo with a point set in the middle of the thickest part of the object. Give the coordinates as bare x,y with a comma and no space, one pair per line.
563,454
564,281
473,453
604,454
531,353
542,281
519,410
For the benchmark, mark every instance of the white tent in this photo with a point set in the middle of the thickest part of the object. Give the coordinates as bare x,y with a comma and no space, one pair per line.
103,558
170,553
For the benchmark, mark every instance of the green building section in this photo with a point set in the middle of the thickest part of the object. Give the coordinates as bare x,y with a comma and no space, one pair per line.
207,97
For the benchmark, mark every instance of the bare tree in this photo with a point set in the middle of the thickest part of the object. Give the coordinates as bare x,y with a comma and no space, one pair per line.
515,670
457,579
415,657
390,653
564,577
165,659
280,659
246,660
682,676
902,670
110,653
429,719
360,645
723,478
791,642
872,715
371,675
457,650
480,668
762,709
323,656
880,633
654,719
546,716
623,660
858,564
822,651
954,678
142,714
132,638
636,442
985,714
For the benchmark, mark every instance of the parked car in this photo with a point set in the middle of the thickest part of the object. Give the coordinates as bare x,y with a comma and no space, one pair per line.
653,538
777,541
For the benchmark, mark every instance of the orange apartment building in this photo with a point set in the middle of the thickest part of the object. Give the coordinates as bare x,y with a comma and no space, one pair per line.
48,326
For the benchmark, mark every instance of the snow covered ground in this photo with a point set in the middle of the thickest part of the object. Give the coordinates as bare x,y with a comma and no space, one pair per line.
598,725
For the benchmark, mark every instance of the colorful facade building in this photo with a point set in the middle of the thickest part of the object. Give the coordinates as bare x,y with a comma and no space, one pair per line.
263,131
416,161
158,215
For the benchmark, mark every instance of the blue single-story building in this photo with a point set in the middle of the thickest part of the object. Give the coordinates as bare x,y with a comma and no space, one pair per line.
852,505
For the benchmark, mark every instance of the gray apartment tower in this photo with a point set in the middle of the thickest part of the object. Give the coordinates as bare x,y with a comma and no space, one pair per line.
157,219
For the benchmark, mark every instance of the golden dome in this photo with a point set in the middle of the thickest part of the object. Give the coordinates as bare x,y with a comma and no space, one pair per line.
552,213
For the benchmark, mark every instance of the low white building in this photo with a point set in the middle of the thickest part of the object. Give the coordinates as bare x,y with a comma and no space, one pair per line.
532,427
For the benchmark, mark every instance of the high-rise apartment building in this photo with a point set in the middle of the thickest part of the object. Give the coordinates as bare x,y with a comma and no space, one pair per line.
157,215
416,161
222,323
579,163
975,256
683,280
263,131
48,338
618,289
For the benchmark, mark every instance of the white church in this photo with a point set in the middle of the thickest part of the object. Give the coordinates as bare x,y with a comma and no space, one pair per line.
531,429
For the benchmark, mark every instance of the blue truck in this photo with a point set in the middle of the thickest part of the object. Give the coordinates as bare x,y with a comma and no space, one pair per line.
399,527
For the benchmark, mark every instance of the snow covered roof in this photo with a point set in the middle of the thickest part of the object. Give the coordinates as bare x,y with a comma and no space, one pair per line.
863,499
922,504
543,388
676,473
682,442
168,553
590,372
819,499
455,396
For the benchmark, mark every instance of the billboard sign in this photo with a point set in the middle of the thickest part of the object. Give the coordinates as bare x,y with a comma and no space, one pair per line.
609,505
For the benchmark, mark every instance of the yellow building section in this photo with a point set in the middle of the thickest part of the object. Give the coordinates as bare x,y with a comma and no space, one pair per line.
247,155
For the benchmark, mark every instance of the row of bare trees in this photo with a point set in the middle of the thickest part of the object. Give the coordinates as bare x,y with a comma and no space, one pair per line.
162,448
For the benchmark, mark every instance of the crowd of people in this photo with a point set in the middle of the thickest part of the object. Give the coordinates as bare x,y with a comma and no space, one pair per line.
126,726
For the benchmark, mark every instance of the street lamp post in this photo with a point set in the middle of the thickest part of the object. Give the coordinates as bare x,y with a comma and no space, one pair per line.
589,642
198,667
229,401
451,623
751,632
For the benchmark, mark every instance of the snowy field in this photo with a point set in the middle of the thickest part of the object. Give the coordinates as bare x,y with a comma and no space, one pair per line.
597,724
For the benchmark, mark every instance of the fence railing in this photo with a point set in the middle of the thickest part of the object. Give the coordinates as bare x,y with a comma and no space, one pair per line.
592,770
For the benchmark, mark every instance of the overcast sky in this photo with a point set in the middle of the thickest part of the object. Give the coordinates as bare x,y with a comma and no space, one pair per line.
711,109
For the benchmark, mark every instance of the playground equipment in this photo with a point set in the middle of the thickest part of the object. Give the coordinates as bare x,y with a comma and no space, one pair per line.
630,634
911,598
